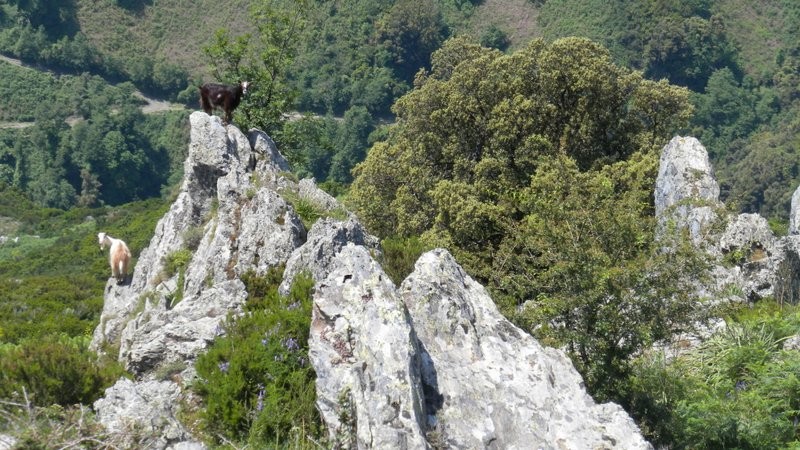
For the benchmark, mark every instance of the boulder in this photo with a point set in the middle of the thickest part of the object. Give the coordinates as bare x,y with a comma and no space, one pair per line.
487,384
686,192
144,415
361,347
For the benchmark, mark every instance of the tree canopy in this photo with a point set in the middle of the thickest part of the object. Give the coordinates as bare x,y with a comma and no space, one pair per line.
536,169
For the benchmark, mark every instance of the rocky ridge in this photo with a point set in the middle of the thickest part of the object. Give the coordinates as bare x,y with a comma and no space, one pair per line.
428,364
748,261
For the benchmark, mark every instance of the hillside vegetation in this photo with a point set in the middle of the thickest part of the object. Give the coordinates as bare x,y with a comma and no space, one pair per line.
523,135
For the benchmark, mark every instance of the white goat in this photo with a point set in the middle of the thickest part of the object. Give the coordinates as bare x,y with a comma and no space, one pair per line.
119,256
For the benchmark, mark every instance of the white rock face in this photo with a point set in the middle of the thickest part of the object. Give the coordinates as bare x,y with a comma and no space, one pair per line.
487,384
794,214
430,365
361,347
143,415
447,372
7,442
686,190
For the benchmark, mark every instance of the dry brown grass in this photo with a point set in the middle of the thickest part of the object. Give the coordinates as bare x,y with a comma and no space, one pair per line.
518,18
175,30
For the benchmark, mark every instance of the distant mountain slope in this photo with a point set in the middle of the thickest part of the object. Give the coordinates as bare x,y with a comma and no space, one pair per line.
174,30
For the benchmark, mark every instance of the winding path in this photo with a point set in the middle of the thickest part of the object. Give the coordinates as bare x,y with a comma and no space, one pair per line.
152,105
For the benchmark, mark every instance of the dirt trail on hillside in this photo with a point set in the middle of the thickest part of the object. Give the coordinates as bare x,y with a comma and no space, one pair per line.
153,105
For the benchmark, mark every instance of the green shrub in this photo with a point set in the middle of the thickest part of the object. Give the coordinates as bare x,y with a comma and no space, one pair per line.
739,389
36,306
256,380
176,263
54,369
399,256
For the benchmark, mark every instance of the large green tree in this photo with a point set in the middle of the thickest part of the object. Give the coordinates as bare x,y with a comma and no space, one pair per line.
536,169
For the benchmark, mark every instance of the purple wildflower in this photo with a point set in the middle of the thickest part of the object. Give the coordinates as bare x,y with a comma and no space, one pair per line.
223,366
290,344
260,403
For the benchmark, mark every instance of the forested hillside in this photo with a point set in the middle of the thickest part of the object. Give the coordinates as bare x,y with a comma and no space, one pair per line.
481,126
351,60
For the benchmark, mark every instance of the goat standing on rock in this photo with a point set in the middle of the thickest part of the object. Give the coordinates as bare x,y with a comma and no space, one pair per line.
119,256
213,95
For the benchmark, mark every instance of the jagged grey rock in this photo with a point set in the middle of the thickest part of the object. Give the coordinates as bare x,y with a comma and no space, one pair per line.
232,217
144,415
686,191
361,347
236,223
326,238
487,384
433,364
794,213
7,442
748,262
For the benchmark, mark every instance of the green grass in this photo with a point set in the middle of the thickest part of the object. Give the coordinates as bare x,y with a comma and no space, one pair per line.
53,283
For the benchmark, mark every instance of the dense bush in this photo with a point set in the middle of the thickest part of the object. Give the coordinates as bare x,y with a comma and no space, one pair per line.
256,380
399,256
739,389
54,369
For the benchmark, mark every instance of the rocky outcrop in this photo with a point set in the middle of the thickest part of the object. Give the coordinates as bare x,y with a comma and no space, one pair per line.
361,346
794,215
686,190
748,261
144,415
487,384
431,364
230,218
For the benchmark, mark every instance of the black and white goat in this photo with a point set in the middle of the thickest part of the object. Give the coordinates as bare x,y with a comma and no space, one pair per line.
214,95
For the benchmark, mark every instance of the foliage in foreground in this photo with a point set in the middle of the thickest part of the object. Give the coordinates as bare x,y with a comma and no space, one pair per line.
50,427
739,389
54,370
256,381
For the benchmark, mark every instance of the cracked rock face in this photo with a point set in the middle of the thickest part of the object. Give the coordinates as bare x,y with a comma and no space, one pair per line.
466,378
490,385
431,364
368,380
686,189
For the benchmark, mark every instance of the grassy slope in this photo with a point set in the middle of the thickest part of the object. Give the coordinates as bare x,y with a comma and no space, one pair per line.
57,262
175,30
517,18
756,28
178,29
